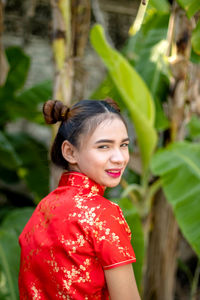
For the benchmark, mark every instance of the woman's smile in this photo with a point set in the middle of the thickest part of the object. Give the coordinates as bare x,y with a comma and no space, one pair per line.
115,173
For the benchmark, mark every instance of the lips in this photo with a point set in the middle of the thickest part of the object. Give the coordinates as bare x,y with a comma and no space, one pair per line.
115,173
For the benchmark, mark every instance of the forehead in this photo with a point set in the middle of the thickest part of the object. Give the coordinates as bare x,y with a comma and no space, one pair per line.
111,128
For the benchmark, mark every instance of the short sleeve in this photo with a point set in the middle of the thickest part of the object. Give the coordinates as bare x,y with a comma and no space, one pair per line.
112,238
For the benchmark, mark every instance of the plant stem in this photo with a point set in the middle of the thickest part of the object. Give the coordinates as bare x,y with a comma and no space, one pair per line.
139,18
131,194
154,188
130,188
151,191
7,271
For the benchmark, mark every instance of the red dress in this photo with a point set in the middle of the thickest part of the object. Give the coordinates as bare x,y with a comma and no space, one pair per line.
73,235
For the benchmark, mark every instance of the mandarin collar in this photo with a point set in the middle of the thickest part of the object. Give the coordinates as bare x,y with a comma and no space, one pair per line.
80,180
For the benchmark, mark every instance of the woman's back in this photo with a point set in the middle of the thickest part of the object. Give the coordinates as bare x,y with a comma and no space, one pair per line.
67,241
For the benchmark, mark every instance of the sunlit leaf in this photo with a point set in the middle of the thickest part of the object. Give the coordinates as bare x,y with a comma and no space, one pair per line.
179,169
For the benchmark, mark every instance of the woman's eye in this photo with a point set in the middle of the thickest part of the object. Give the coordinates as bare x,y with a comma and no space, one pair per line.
124,145
103,147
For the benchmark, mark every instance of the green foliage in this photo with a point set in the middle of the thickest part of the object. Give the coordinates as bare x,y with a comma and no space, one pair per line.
147,53
133,91
19,64
28,103
8,156
178,165
161,5
194,128
196,38
190,6
22,156
9,251
107,87
179,168
11,227
135,224
17,103
34,167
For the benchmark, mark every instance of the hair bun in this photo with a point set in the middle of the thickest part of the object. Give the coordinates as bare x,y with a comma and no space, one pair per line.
112,103
54,111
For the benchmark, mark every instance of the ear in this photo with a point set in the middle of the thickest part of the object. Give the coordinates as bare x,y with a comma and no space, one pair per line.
68,152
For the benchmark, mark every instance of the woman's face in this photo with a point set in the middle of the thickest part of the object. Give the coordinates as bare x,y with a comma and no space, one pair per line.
103,155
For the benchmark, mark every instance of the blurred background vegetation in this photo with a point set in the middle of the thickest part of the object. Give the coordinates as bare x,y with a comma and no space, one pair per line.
146,56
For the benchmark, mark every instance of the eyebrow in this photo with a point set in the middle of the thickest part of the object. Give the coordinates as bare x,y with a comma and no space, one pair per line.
111,141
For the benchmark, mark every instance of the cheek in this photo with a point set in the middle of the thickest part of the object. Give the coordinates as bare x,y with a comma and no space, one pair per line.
127,157
91,159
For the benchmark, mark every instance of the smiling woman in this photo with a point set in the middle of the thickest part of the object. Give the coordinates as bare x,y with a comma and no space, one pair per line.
103,155
77,243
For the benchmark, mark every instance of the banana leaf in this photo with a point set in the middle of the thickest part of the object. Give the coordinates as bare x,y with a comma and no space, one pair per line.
134,92
179,168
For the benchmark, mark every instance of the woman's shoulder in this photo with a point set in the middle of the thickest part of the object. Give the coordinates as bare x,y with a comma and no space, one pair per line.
103,204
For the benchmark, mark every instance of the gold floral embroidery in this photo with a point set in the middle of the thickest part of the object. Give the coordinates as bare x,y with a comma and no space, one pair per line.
53,263
36,293
72,245
74,275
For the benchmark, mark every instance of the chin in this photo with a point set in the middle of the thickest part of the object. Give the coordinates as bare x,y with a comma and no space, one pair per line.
112,184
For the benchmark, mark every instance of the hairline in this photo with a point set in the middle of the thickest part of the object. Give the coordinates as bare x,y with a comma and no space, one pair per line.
91,129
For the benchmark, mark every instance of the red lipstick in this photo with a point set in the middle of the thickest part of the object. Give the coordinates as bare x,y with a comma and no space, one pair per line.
115,173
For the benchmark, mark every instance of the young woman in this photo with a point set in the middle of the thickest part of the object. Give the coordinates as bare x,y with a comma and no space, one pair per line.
77,244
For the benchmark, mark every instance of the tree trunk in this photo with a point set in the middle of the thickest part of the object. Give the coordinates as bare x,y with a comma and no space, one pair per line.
162,252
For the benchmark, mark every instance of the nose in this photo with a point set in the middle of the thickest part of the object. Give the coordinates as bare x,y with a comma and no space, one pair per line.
117,156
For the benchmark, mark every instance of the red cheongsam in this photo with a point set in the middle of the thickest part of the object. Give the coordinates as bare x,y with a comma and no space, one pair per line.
73,235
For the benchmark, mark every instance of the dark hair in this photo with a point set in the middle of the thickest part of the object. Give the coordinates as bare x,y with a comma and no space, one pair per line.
83,117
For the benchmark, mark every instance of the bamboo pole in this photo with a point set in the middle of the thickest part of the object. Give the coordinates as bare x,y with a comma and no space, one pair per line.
62,50
71,20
